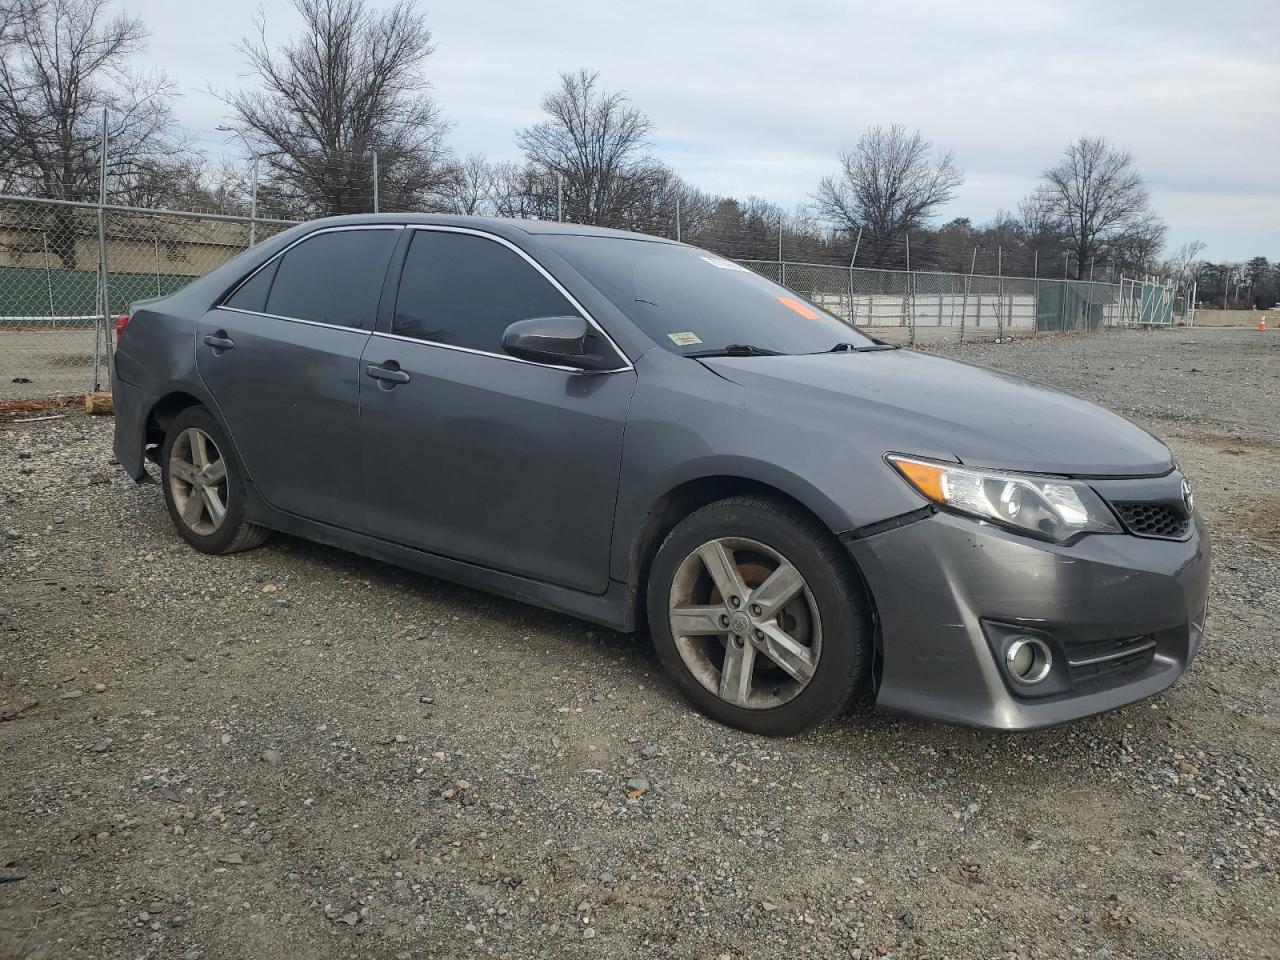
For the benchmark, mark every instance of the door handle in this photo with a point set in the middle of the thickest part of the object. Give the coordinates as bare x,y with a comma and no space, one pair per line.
219,341
390,375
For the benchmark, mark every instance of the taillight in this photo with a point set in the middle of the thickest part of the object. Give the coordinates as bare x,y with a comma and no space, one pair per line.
122,321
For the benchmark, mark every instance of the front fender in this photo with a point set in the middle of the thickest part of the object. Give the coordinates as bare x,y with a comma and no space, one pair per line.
687,423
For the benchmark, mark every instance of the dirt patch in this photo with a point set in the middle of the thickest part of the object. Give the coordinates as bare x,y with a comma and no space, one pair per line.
16,409
364,761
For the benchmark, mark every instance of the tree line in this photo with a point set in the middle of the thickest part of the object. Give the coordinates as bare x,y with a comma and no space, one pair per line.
353,86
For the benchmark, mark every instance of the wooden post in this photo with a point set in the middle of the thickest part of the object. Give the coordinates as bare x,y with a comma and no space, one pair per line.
98,403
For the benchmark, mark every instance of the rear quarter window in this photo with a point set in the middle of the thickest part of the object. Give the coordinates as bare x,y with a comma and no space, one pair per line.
252,294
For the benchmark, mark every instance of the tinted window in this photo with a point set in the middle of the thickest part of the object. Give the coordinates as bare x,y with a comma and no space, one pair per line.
465,291
333,278
252,294
689,300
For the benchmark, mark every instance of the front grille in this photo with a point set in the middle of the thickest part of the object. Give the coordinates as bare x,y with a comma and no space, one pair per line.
1106,662
1163,521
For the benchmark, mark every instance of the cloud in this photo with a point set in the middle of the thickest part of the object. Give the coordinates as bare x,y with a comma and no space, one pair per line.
754,97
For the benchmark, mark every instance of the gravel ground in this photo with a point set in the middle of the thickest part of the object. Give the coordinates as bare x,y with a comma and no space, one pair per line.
299,753
45,363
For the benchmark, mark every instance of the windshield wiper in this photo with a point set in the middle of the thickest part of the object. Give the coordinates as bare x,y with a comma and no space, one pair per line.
736,350
863,348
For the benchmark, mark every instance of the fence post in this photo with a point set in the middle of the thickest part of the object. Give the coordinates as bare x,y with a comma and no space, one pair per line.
1000,306
782,264
48,274
851,294
964,302
853,259
1191,306
1035,296
103,339
1066,289
1089,312
911,295
253,197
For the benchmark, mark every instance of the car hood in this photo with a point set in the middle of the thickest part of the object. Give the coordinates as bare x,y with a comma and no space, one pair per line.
920,404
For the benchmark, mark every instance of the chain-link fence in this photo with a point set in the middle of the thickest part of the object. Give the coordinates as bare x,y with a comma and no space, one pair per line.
923,307
58,257
54,317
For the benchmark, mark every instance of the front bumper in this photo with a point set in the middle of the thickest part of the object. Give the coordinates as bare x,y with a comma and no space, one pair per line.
945,587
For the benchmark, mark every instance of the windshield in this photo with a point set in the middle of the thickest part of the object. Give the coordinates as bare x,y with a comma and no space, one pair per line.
694,303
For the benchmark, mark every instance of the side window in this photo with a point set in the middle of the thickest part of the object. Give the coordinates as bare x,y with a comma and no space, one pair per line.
252,294
465,291
333,278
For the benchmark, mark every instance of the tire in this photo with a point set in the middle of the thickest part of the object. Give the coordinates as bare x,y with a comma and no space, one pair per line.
193,515
793,664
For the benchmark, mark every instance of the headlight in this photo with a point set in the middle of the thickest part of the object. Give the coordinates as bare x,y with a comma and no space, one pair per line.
1046,507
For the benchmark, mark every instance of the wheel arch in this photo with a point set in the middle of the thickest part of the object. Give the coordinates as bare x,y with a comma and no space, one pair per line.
165,409
683,499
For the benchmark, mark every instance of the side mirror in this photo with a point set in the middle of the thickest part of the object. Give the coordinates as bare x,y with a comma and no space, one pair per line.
567,341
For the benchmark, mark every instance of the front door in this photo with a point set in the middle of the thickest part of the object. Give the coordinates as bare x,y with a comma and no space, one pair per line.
281,357
472,454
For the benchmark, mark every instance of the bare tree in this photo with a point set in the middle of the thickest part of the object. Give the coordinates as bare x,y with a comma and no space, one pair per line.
593,143
63,62
1137,250
1100,203
473,188
514,190
12,14
890,183
1181,263
352,85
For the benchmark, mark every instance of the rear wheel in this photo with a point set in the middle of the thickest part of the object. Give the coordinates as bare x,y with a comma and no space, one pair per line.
759,617
203,486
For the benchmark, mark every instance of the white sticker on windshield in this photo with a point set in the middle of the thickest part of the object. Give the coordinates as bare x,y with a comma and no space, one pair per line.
725,264
685,339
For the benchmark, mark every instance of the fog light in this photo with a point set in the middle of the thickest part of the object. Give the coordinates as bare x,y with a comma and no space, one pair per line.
1028,660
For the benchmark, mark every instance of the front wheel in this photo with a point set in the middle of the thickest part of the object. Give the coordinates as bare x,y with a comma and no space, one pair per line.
203,487
759,617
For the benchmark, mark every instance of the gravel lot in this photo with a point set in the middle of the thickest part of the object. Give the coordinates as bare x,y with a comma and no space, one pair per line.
299,753
47,362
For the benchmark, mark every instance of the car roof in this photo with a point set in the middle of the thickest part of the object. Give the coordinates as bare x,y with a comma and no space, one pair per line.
498,225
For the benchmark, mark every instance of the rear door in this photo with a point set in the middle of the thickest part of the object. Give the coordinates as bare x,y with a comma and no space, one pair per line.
281,357
471,453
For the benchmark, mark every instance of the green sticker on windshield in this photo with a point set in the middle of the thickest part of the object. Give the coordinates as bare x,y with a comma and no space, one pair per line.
684,339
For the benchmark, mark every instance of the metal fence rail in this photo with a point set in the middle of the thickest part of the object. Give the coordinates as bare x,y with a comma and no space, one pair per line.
67,268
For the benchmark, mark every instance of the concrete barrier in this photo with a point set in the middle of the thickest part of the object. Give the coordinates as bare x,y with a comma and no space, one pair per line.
1235,318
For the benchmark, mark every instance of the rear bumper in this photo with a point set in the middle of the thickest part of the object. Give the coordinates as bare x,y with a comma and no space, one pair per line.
947,589
131,408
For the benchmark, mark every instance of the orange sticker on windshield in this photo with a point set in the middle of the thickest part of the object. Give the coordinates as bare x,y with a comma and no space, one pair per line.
793,304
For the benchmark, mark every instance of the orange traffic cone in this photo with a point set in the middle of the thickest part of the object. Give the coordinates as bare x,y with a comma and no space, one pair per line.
1262,324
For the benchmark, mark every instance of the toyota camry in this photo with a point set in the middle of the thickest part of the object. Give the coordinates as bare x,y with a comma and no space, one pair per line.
646,435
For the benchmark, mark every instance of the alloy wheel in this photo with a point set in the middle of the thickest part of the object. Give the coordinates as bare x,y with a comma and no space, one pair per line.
198,481
745,622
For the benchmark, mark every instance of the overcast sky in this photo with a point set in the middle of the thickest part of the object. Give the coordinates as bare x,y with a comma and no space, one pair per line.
758,97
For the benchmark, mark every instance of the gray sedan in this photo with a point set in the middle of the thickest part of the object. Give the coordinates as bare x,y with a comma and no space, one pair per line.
648,436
